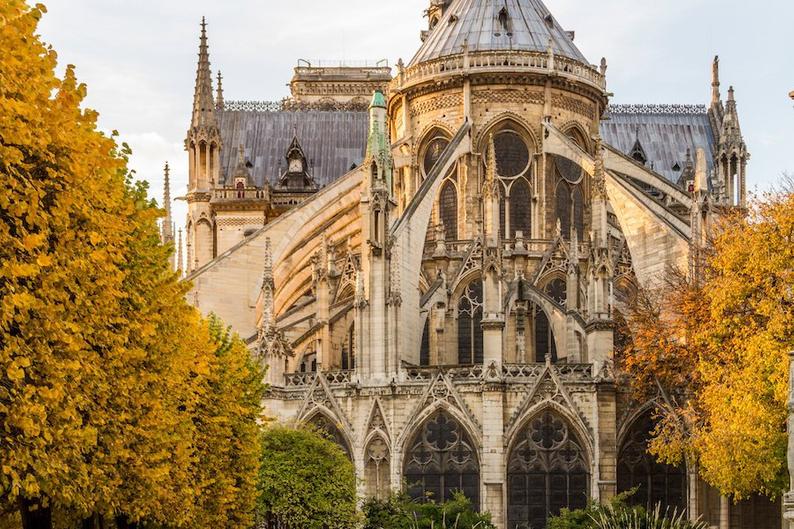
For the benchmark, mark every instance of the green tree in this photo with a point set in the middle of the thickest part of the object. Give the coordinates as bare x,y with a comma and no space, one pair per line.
306,480
118,403
720,355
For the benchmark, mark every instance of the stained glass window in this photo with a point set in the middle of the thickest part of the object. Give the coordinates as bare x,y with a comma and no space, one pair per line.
448,210
520,209
512,155
433,153
424,351
470,349
658,483
441,459
547,471
578,213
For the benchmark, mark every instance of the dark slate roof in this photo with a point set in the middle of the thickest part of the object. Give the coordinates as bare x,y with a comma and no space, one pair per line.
476,22
332,141
665,132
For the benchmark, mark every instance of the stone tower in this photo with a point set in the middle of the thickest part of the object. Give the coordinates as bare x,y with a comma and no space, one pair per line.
203,145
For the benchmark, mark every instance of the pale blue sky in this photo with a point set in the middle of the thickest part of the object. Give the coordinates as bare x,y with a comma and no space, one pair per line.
139,59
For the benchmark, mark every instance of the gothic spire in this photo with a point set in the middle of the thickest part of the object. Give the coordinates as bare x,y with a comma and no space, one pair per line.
203,104
168,222
219,104
167,200
179,261
715,82
267,288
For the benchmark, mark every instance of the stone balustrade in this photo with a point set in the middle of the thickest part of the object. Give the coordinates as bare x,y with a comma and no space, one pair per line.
515,61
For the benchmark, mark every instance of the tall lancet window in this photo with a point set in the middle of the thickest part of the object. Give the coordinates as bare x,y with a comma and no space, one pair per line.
448,210
520,209
563,209
470,348
544,336
578,213
349,348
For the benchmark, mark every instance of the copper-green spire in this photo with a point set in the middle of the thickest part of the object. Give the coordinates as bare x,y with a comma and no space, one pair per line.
378,100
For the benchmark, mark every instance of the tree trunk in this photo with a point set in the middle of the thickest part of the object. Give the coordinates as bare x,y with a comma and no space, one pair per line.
34,516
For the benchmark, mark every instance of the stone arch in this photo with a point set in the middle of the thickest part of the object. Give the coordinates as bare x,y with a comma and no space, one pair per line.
658,483
576,132
549,467
427,410
568,411
497,123
433,129
555,313
323,419
442,455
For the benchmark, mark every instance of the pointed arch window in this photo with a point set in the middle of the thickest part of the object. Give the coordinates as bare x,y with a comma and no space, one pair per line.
578,213
327,428
470,348
441,459
563,209
520,209
377,468
657,483
424,351
433,151
349,349
544,336
448,210
547,471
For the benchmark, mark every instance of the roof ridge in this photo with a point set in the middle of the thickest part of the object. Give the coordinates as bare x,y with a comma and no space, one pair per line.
657,108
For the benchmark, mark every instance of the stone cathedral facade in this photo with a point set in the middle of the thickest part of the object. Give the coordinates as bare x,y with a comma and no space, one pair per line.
431,259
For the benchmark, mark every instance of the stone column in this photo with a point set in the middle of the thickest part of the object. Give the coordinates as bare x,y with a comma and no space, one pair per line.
725,512
788,499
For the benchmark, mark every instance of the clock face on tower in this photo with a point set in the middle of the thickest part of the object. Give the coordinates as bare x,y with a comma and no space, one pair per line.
296,165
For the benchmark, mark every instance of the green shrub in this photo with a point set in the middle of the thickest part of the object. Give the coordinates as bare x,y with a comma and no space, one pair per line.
306,481
585,518
401,512
610,518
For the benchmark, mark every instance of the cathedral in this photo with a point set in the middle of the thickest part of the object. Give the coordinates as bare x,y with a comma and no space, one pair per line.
431,258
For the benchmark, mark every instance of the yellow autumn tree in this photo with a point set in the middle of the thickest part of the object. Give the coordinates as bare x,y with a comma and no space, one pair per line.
118,403
715,350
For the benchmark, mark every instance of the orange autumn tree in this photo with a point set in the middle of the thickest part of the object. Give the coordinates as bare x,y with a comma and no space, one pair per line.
118,403
715,352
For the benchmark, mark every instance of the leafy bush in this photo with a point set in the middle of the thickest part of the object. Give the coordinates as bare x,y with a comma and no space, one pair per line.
306,481
401,512
619,514
585,518
611,518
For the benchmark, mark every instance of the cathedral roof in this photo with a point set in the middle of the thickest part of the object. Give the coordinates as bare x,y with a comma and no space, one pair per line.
497,25
664,132
331,140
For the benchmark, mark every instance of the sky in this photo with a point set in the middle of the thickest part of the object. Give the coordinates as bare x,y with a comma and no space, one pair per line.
138,59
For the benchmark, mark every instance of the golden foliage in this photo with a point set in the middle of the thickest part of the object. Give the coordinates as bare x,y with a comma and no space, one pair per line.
116,398
716,349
